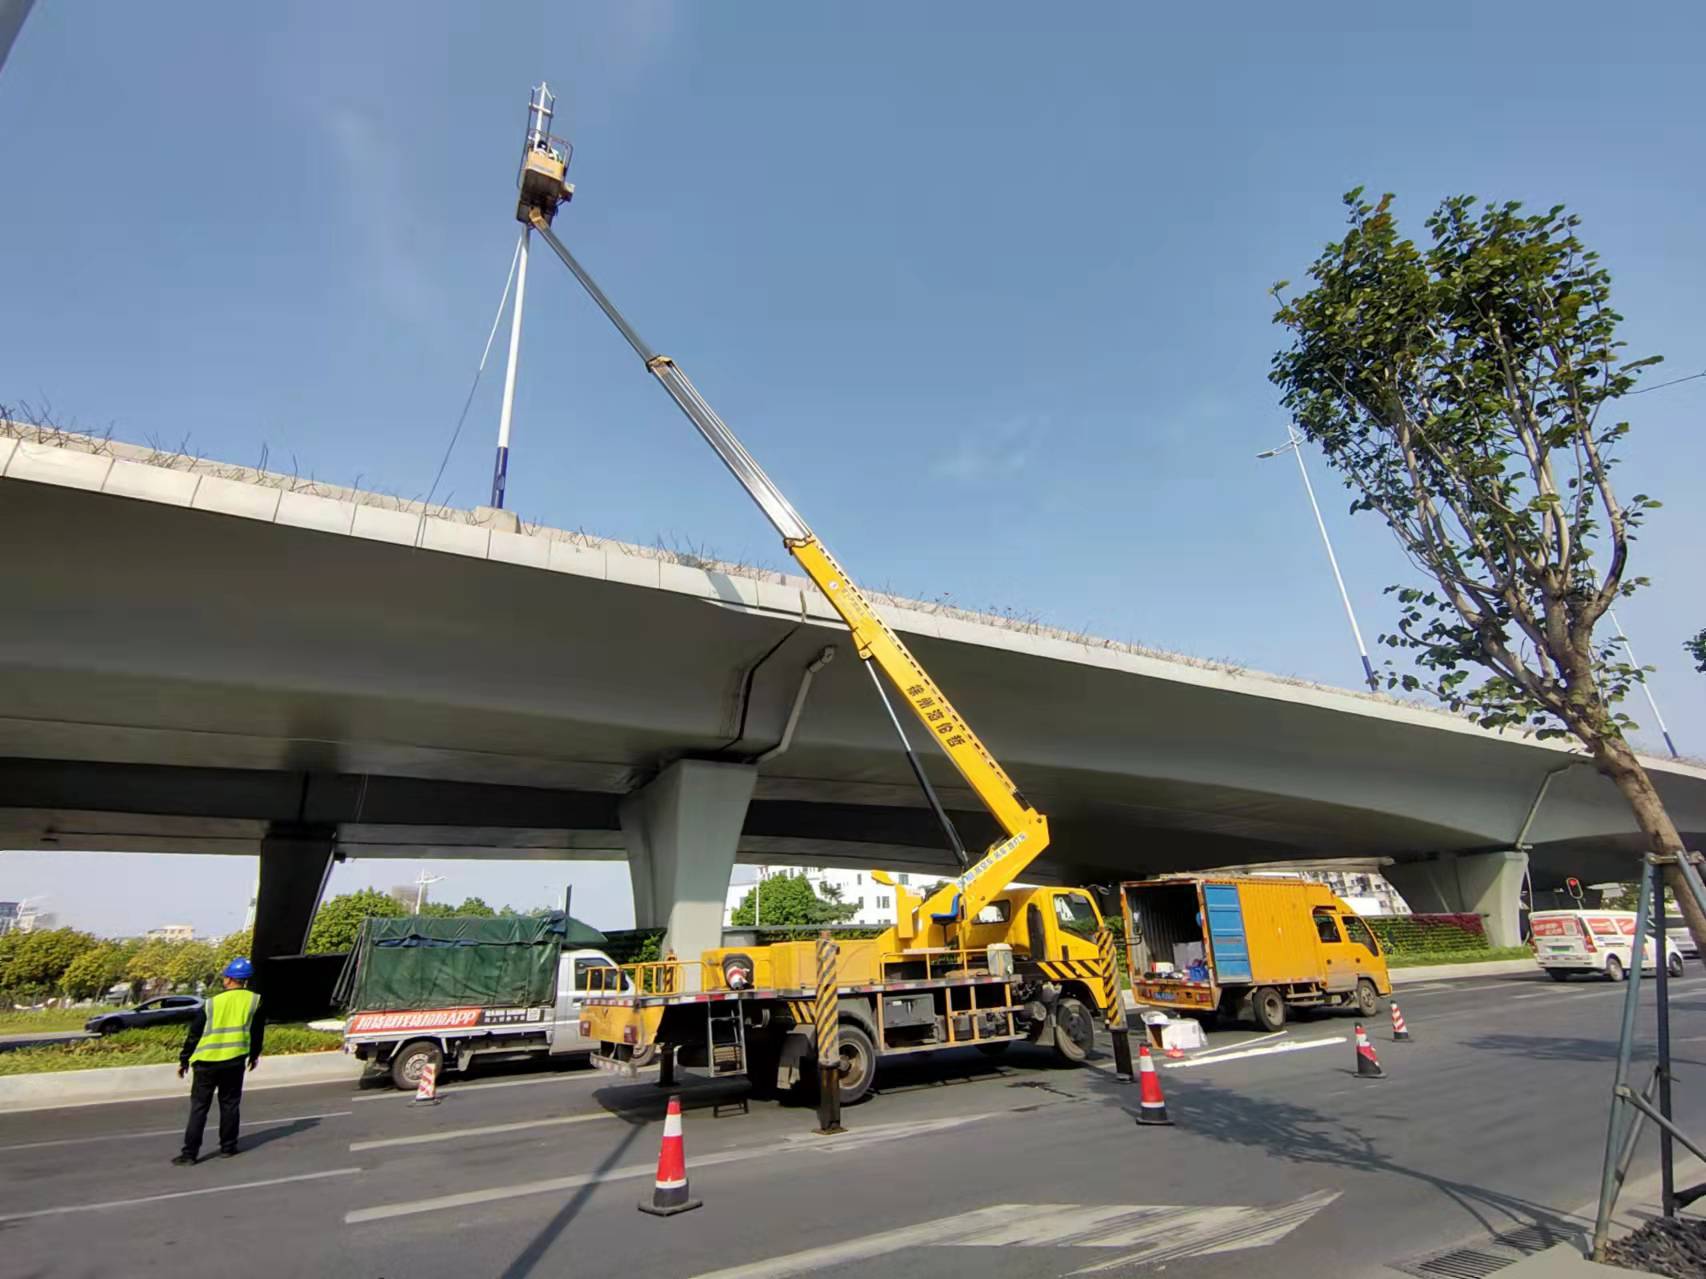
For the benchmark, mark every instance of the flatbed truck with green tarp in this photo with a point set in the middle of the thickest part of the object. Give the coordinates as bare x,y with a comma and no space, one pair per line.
421,990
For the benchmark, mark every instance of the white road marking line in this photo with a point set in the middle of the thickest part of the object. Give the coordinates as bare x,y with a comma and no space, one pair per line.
170,1132
580,1077
799,1144
1159,1233
1448,988
177,1194
1238,1043
1270,1051
451,1134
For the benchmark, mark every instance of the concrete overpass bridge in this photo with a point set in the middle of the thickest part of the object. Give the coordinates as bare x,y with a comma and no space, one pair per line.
206,658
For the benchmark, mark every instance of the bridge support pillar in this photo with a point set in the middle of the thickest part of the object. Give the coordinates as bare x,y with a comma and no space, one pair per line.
682,831
295,861
1485,884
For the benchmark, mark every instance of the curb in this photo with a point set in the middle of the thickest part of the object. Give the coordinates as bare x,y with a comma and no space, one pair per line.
1446,972
105,1085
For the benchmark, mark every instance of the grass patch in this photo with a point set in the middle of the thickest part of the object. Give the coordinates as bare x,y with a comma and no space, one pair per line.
151,1046
21,1021
1482,955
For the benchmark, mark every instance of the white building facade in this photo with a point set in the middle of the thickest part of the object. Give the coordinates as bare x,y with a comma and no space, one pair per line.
875,901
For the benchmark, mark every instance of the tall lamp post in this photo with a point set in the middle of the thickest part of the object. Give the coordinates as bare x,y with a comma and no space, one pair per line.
1293,445
421,887
1645,686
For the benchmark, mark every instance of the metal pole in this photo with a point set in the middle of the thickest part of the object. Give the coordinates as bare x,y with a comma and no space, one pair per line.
500,468
1296,447
1667,1157
1645,688
1610,1181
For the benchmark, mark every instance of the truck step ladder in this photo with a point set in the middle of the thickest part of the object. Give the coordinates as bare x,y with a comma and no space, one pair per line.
725,1037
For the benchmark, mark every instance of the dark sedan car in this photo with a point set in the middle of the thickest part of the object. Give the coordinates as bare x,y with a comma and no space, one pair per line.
152,1012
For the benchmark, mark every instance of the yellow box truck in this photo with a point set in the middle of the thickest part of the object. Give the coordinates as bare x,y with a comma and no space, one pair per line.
1230,944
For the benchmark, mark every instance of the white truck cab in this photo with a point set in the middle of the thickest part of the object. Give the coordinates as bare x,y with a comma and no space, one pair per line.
1594,941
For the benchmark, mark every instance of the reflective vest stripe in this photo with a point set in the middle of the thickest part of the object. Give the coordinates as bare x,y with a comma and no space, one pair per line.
227,1035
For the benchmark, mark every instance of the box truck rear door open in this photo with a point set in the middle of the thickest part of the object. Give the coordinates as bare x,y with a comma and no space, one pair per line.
1229,949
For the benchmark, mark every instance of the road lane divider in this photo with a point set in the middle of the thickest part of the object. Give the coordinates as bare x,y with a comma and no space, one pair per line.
794,1144
225,1189
1271,1050
453,1134
169,1132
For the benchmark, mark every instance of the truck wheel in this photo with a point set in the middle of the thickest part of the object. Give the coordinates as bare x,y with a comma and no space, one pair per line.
859,1063
1614,968
1074,1031
411,1061
1368,998
1267,1006
1674,965
645,1056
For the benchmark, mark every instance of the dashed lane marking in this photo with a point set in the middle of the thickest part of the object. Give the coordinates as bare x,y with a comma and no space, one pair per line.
791,1145
453,1134
176,1194
169,1132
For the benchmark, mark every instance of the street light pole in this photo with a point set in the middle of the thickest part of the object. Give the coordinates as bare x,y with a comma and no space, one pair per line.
421,887
1294,446
1645,687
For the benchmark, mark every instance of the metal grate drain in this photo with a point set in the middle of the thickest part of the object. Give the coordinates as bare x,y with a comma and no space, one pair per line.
1485,1257
1459,1263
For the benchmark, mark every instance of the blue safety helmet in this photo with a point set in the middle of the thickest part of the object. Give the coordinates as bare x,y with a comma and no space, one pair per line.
239,969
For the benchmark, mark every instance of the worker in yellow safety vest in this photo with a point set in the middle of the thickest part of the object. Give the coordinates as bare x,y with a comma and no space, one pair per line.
226,1032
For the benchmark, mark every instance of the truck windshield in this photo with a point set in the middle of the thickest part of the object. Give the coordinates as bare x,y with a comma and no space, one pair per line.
1358,932
1076,915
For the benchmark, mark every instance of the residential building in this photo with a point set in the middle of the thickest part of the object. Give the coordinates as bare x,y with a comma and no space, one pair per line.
31,920
170,932
8,917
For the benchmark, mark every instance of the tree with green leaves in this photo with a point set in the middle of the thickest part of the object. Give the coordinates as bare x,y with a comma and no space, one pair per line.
152,961
1465,391
95,971
337,921
1696,647
237,945
39,963
476,906
195,964
788,899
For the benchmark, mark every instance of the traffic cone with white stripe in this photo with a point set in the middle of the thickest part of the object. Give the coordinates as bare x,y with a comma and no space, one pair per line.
1400,1032
1152,1106
1368,1065
426,1091
669,1192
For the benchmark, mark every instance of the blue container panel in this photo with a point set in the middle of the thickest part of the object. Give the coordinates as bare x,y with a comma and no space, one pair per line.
1226,932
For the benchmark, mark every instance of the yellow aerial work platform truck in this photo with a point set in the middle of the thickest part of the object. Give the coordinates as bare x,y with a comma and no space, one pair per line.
1220,944
978,962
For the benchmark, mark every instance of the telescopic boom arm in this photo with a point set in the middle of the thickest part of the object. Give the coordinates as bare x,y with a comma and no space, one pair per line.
1026,829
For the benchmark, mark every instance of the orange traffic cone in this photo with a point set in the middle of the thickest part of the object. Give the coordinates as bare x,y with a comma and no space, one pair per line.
669,1193
1152,1106
426,1092
1368,1065
1400,1032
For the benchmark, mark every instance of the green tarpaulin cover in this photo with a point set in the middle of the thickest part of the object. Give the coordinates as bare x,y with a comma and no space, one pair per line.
416,961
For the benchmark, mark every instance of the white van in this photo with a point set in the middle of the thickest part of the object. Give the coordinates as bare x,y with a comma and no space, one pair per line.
1593,941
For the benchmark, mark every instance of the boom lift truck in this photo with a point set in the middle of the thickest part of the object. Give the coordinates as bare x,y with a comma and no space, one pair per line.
977,963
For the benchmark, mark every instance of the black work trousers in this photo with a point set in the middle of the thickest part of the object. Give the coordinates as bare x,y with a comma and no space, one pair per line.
227,1079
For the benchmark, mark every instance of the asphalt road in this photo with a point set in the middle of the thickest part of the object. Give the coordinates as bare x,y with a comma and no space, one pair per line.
1491,1120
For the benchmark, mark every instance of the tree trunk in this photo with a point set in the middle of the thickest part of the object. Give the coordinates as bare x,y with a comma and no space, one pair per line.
1616,760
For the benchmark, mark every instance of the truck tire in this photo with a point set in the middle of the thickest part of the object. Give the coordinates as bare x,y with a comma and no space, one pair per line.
1673,965
1614,968
1267,1006
410,1061
1074,1031
1368,998
859,1061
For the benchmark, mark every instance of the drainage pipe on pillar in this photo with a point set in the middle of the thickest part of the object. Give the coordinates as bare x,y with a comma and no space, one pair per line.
822,660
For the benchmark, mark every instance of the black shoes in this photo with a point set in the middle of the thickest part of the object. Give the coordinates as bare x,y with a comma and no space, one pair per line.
183,1161
228,1154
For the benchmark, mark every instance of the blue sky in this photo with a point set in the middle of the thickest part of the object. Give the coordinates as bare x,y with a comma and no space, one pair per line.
982,285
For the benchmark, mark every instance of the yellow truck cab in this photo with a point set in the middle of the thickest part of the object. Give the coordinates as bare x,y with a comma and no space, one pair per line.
1221,944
